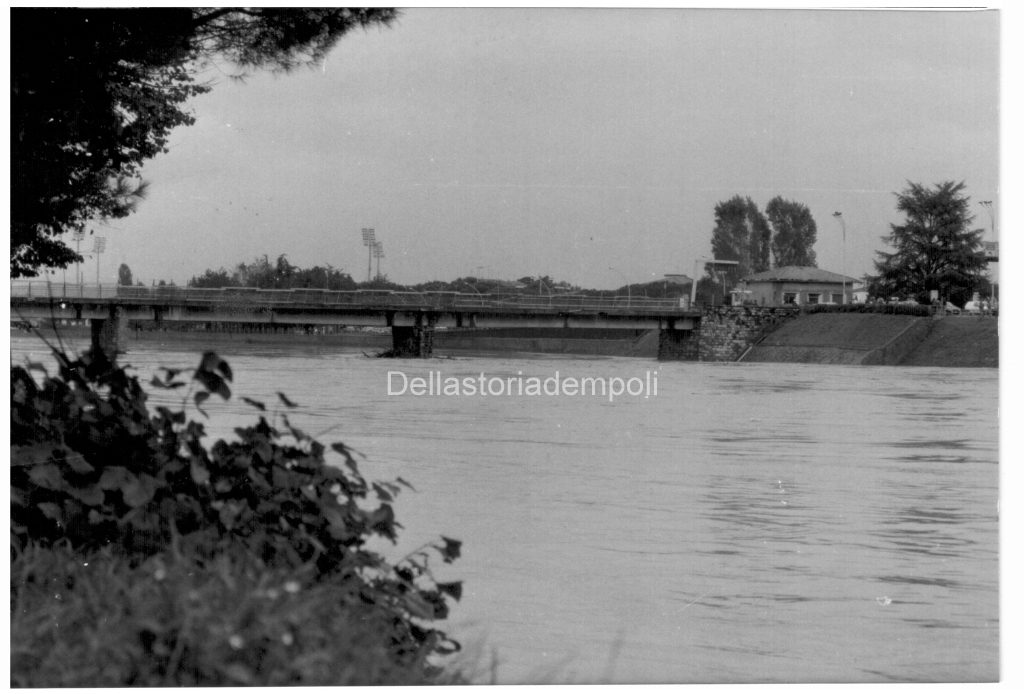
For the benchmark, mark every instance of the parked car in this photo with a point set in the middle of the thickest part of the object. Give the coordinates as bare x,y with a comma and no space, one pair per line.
951,308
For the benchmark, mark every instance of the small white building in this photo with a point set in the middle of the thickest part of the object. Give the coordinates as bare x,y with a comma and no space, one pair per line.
796,285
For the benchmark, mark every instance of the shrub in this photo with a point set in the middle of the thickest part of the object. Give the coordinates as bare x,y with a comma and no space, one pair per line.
888,309
97,619
94,469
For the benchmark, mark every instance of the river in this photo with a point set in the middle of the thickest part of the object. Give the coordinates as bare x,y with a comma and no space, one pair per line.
746,523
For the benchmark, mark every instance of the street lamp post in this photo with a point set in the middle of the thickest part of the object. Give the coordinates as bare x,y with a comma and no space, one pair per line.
842,223
696,265
987,204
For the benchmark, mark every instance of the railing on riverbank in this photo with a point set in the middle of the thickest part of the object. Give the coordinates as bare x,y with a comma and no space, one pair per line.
359,298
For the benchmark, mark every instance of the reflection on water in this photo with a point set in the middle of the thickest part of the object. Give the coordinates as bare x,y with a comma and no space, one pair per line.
752,523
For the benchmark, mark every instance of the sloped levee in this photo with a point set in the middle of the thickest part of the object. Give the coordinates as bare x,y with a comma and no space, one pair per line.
843,338
964,341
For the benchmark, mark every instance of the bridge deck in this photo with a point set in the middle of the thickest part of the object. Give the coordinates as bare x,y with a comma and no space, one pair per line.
38,293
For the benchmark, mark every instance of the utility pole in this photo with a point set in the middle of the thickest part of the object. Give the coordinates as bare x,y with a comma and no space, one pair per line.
842,223
369,240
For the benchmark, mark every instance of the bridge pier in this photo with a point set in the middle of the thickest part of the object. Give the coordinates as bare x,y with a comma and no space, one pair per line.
413,340
110,335
678,345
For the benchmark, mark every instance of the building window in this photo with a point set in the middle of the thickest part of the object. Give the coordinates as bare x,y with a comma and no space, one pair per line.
813,298
837,298
789,298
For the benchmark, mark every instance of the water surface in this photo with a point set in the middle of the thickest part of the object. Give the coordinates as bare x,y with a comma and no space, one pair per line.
750,523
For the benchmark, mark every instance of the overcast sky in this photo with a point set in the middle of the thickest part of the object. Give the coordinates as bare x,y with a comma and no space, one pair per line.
511,142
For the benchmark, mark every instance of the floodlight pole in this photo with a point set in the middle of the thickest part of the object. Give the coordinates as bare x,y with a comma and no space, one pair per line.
99,246
369,240
842,223
378,253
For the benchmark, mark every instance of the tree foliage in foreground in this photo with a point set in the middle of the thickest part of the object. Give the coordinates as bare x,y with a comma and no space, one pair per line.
934,249
94,469
96,92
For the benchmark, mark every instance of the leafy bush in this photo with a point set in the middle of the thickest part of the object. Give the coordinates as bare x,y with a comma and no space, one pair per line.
889,309
93,468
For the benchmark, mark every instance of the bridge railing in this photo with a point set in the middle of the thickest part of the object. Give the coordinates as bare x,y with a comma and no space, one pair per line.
43,289
358,298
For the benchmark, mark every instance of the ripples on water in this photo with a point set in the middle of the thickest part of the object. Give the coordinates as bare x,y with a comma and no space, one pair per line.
752,523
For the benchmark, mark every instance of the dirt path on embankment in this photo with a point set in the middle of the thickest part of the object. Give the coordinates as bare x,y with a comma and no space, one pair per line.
868,338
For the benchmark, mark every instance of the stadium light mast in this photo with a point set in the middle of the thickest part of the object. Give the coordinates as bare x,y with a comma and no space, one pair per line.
98,246
369,240
78,236
378,253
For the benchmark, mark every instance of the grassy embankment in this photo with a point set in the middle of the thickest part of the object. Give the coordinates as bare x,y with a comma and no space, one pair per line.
861,338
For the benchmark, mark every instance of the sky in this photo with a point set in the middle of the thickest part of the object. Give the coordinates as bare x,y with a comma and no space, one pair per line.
591,145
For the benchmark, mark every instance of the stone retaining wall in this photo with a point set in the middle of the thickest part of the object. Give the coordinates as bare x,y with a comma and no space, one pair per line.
727,332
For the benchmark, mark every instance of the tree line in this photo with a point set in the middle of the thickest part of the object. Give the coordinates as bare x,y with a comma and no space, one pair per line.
743,233
935,249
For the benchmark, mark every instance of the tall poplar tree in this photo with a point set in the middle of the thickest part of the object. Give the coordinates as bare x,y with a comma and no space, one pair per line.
793,233
742,234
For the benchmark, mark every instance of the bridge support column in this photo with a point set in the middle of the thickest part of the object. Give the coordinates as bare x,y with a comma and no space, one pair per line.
110,335
678,345
413,340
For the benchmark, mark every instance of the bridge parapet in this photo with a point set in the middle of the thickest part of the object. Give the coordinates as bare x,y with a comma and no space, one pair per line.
242,298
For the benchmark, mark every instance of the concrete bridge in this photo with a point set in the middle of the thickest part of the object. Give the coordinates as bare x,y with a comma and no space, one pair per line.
412,316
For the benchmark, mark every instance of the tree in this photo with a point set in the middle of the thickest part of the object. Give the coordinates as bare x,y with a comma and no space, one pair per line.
793,233
96,92
742,234
934,249
213,279
124,276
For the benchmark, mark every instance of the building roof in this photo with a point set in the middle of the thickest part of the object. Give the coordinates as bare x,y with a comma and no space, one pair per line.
799,273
